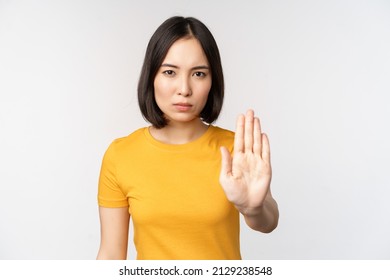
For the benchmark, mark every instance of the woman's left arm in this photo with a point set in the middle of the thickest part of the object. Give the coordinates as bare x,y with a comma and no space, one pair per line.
246,177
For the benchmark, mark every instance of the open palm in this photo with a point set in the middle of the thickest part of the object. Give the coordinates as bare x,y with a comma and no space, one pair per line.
246,177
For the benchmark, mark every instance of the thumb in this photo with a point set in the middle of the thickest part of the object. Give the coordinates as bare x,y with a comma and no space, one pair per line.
226,164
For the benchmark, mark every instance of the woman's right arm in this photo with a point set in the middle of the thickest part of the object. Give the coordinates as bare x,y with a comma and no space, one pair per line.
114,230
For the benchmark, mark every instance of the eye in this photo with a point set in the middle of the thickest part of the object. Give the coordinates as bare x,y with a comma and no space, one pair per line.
169,72
200,74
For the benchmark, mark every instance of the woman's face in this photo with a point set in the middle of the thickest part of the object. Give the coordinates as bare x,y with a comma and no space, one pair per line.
183,82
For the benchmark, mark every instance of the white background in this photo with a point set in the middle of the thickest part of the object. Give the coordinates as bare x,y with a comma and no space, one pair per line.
316,72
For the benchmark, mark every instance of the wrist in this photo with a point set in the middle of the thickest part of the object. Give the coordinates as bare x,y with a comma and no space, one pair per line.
251,211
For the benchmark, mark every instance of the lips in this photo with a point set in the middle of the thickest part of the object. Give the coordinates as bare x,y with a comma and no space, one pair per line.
182,106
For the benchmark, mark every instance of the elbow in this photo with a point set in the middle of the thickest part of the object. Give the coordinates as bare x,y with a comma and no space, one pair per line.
270,228
263,228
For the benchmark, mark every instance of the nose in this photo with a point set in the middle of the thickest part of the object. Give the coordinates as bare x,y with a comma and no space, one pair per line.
184,88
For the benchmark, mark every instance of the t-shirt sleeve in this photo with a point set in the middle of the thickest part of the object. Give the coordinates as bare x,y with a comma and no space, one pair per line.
109,191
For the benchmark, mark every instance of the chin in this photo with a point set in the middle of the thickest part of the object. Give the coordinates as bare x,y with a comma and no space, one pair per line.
183,119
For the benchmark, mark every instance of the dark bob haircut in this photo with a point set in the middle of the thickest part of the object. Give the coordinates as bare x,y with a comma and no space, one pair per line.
167,33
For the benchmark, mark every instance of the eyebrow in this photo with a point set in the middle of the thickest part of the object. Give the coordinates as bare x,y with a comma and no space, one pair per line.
193,68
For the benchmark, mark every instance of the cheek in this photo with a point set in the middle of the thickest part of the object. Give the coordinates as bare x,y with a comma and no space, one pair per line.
205,89
161,88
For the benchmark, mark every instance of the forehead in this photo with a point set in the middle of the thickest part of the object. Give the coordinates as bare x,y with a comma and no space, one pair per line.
186,51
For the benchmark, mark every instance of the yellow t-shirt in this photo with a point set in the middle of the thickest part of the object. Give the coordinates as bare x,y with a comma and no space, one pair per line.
177,205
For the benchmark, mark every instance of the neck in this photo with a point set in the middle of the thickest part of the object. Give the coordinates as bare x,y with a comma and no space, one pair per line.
179,133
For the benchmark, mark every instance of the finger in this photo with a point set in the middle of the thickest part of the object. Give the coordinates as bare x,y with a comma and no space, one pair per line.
257,145
249,131
266,151
226,164
239,136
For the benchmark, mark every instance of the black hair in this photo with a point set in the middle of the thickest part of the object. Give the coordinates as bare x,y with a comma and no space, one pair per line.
163,38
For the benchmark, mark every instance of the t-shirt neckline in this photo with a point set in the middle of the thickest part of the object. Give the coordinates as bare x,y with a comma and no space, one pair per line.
178,147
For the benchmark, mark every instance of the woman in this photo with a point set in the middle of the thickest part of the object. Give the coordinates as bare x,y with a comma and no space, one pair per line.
177,178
